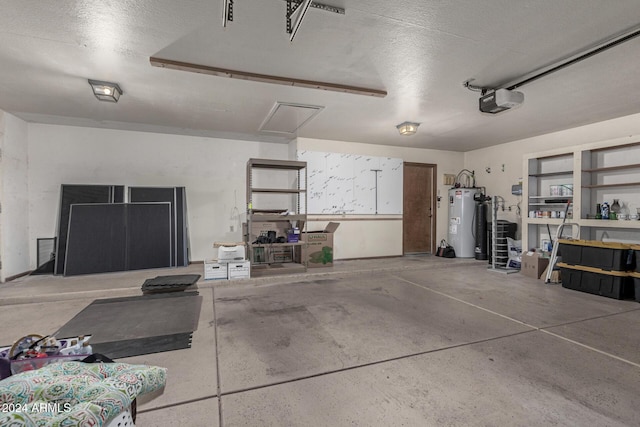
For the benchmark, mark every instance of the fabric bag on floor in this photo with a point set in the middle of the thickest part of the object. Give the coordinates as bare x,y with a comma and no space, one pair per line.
445,250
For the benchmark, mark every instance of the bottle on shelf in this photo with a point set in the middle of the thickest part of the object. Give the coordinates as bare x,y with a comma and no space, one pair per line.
624,208
598,211
605,210
615,206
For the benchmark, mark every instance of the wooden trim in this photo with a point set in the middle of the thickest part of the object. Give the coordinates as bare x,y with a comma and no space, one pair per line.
595,244
593,270
264,78
420,164
434,208
17,276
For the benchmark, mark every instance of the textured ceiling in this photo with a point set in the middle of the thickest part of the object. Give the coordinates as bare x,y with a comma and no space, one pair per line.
419,51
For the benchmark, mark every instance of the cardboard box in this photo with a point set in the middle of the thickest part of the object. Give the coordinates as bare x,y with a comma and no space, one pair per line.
230,252
239,270
533,264
318,248
213,270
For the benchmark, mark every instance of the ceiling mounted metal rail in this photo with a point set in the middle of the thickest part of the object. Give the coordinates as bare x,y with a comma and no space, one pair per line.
563,63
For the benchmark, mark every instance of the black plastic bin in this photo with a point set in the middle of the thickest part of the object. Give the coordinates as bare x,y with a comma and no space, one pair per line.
636,256
610,256
612,284
636,284
570,251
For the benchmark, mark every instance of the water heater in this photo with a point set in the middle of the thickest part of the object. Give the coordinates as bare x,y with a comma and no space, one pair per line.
462,208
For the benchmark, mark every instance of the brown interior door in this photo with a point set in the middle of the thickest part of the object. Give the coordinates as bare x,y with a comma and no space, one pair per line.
418,214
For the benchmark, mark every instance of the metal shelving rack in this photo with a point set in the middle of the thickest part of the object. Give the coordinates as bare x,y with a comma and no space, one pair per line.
267,265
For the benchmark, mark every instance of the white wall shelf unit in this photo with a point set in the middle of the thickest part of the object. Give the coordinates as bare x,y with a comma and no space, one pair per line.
289,211
583,176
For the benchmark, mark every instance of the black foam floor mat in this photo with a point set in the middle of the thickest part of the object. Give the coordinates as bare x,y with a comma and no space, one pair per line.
131,318
140,346
173,283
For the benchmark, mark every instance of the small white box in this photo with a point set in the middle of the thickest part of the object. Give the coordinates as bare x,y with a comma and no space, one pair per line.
239,270
213,270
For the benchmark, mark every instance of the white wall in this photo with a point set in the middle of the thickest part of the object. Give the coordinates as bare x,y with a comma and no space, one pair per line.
511,155
368,237
14,224
212,170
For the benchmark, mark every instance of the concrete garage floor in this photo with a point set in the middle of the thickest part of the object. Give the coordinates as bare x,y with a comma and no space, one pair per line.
408,341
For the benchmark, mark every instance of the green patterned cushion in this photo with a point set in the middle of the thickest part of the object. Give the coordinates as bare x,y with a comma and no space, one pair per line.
75,393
